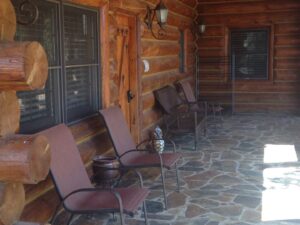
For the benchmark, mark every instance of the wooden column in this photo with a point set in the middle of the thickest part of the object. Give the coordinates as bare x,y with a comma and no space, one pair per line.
23,159
9,106
12,195
7,20
9,113
12,201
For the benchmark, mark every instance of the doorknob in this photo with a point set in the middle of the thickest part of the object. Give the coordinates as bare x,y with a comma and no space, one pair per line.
130,96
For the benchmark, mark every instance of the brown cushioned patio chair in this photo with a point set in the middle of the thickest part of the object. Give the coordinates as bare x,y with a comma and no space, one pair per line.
129,154
78,196
179,116
214,108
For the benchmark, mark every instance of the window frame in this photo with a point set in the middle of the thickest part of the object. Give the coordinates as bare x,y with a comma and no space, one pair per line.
228,51
59,82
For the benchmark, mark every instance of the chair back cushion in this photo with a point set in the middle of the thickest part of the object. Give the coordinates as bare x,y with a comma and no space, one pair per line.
168,98
187,91
118,130
67,168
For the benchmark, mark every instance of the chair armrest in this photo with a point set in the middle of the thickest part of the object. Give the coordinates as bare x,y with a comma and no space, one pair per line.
143,142
134,150
166,139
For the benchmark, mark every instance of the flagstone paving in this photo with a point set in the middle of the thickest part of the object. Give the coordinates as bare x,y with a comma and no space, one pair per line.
245,172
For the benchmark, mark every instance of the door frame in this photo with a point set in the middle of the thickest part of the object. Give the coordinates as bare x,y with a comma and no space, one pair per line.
134,71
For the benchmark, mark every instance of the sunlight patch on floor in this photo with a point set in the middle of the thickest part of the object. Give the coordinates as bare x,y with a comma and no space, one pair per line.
279,153
281,199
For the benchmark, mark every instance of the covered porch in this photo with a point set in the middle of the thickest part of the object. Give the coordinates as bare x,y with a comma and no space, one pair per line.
246,173
63,61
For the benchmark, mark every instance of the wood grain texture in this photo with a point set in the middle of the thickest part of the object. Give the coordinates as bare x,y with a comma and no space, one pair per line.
281,90
12,201
23,66
7,21
150,48
24,159
9,113
162,64
90,134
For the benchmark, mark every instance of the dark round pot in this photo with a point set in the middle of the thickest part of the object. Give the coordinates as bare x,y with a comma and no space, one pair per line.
102,168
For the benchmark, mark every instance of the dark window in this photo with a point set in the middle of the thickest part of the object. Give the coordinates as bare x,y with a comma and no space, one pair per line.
71,91
181,52
249,54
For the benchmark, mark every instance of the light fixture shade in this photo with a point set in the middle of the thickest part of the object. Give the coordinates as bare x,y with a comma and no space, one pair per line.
202,28
161,12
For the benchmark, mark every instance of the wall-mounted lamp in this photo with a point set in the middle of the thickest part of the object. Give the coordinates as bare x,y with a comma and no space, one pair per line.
202,27
161,13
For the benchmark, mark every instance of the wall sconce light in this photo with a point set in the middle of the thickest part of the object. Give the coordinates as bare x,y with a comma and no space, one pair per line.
161,13
202,28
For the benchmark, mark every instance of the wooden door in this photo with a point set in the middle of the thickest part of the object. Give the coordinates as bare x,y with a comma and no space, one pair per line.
126,49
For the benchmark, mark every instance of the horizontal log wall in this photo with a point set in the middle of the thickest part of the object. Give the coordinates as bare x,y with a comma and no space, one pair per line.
282,91
90,135
162,55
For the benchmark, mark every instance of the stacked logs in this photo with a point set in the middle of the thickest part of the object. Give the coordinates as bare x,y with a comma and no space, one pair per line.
23,159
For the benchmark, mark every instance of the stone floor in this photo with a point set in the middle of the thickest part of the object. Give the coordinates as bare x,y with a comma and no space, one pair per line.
246,171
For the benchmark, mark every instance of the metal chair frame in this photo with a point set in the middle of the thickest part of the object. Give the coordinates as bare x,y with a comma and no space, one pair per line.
179,113
159,163
190,98
63,189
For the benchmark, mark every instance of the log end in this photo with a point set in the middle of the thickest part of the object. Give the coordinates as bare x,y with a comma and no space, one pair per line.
36,65
40,158
24,159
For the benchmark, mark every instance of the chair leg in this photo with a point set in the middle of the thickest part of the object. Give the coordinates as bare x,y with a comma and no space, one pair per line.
70,219
145,212
122,217
195,131
52,221
164,185
177,178
214,112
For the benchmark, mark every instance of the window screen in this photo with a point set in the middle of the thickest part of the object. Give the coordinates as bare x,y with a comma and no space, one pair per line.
71,92
80,54
38,109
249,53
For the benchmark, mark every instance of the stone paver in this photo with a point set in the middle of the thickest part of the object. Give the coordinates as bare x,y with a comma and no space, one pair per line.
228,181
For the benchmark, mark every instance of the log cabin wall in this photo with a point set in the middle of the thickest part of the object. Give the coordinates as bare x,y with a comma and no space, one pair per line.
162,56
281,91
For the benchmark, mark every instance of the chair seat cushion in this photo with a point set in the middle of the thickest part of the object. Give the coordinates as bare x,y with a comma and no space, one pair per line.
145,159
132,198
